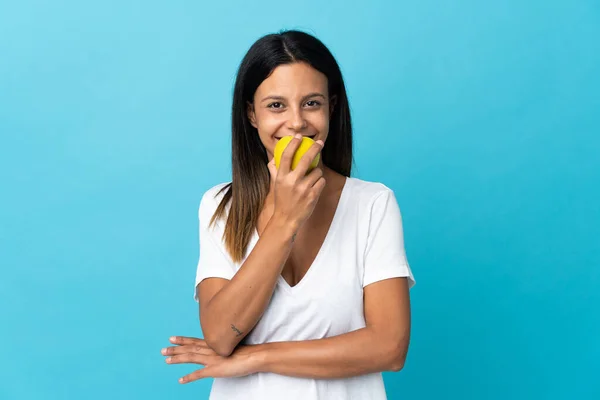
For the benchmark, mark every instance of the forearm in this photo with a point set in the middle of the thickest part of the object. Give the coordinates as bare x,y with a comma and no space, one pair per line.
237,307
359,352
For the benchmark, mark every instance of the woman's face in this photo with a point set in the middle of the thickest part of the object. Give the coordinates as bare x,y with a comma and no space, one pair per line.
293,99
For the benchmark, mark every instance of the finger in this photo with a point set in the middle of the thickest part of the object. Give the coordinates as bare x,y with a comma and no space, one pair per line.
199,349
312,177
319,186
184,340
272,169
196,375
188,358
285,164
308,158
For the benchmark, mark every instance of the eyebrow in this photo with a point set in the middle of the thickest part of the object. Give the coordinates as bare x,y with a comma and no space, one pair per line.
308,96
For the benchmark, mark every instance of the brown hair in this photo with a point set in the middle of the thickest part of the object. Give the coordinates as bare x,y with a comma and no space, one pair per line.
250,175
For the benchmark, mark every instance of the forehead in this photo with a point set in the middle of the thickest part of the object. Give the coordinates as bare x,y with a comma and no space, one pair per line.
291,80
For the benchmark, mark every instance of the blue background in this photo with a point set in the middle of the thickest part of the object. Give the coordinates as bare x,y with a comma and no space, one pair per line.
482,116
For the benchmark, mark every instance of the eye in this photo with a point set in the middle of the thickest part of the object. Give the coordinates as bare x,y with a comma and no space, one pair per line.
313,103
275,105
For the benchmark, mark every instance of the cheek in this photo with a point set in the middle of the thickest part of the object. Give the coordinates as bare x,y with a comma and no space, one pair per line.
321,123
267,123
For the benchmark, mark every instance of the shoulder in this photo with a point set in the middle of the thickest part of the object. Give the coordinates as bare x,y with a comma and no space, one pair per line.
211,199
371,201
368,193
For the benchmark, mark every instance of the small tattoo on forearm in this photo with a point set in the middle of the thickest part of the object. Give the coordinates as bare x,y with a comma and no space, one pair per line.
236,330
293,237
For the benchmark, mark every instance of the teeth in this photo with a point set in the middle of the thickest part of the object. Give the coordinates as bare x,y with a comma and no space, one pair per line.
312,137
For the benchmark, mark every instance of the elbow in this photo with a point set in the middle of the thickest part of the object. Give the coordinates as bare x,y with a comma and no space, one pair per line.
396,355
216,340
397,364
223,351
218,345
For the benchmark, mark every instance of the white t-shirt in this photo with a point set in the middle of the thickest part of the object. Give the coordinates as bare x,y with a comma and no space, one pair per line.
364,244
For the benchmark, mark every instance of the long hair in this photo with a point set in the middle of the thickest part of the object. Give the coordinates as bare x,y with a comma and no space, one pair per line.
250,175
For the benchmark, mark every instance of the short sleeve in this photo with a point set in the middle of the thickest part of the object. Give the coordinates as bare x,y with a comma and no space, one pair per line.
385,256
213,260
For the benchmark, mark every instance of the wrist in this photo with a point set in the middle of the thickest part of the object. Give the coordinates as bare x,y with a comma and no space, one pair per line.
283,226
259,358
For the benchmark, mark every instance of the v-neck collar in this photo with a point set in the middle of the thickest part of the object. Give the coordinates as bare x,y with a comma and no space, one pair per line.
337,216
339,210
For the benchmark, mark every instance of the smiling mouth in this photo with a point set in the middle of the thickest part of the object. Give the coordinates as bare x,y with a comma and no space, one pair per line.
308,136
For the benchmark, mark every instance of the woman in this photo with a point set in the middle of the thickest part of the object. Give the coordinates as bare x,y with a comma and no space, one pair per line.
302,280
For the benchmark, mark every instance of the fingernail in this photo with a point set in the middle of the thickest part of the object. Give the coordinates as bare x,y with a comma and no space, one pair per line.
298,136
173,339
181,380
163,351
168,359
320,142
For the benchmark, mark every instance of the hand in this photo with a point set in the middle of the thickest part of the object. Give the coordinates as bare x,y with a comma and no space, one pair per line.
195,351
295,192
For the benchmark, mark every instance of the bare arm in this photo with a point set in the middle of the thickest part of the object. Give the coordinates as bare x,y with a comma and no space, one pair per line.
229,309
381,346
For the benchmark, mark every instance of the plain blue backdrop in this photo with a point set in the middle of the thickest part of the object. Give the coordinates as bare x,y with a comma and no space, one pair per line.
482,116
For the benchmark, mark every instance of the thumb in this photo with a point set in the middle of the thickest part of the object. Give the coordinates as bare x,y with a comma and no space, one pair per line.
272,169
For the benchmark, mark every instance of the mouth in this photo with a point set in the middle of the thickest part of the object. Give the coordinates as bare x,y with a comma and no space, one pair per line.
308,136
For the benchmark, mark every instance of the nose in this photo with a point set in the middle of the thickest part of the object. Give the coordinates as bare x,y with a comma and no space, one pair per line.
297,122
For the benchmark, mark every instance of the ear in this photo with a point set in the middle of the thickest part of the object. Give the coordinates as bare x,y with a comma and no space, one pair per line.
332,104
251,114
